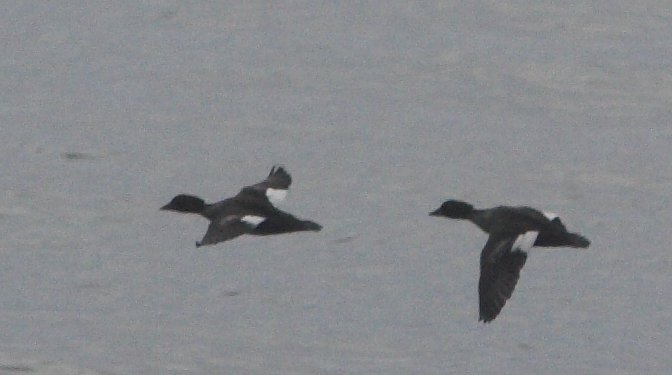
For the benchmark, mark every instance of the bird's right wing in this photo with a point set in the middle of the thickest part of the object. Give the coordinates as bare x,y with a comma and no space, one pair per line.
222,230
502,258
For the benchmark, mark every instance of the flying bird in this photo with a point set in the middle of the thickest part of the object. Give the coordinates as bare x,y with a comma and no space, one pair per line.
251,211
512,232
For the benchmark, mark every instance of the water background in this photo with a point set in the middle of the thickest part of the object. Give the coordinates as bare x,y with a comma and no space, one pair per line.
380,110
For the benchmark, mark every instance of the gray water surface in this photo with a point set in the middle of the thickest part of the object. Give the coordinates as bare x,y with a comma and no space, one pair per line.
380,110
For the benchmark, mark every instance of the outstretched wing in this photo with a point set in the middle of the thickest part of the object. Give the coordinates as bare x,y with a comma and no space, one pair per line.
502,259
229,227
273,189
222,230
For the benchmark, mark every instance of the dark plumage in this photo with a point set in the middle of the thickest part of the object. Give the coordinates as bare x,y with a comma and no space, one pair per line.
252,211
513,231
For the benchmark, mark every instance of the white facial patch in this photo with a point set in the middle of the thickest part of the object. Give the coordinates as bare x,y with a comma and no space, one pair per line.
276,195
525,241
550,215
252,220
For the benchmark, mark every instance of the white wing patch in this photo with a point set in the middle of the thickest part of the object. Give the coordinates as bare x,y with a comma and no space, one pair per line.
252,220
525,241
276,195
550,215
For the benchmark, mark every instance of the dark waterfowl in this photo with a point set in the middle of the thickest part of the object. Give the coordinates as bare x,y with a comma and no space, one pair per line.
512,232
252,211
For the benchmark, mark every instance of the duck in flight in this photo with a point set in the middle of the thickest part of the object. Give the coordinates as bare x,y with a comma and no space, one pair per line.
251,211
512,232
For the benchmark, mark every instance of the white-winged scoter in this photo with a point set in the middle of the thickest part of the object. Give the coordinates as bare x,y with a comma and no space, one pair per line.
251,211
512,232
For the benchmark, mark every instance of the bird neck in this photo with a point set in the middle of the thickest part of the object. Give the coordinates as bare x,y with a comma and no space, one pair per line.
481,218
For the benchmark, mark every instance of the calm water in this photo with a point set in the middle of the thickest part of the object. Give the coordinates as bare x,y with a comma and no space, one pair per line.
380,111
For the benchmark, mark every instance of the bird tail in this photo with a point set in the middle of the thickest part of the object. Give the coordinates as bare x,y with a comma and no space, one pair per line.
311,225
564,239
577,240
